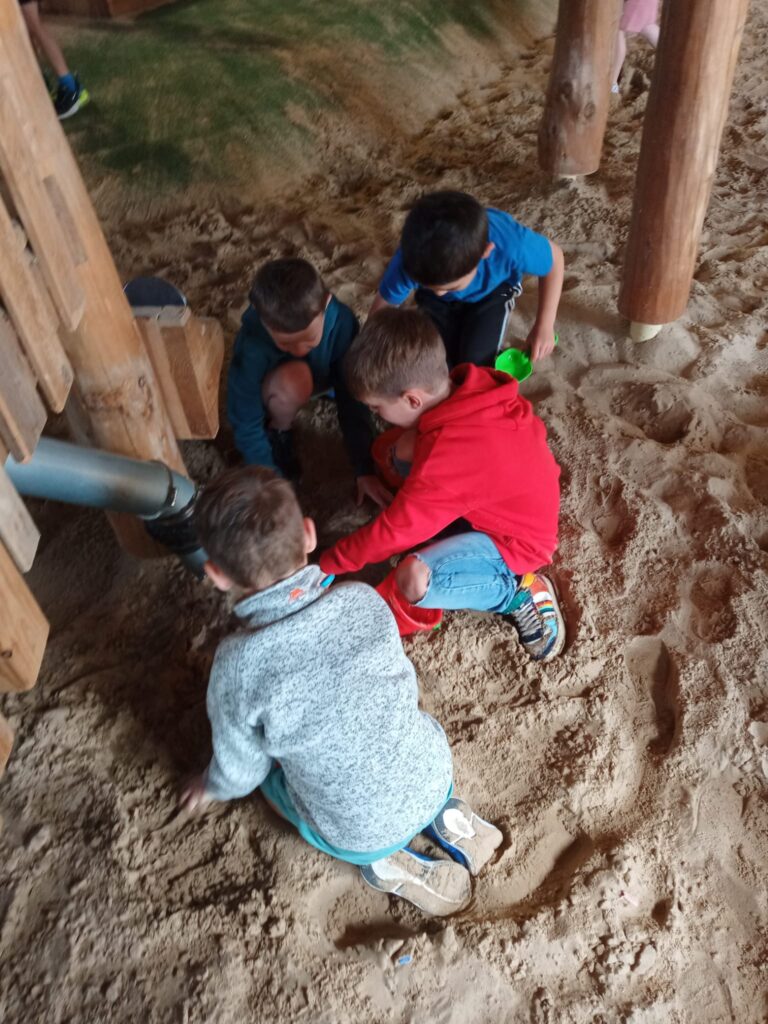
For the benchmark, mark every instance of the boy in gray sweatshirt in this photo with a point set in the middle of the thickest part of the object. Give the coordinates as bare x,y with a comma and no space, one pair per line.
315,702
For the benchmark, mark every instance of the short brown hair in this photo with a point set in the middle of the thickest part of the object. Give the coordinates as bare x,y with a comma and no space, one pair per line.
250,524
288,295
396,350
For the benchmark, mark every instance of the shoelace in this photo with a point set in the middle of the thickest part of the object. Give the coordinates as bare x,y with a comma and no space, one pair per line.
528,620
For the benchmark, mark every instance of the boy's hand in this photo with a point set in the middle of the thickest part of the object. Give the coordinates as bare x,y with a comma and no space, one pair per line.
193,798
541,341
371,487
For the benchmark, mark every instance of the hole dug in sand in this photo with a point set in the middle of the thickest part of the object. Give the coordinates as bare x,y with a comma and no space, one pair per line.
652,670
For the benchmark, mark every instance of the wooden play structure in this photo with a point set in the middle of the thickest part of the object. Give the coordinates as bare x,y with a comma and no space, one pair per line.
69,341
684,119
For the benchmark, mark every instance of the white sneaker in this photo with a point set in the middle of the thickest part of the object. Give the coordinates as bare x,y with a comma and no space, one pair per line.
469,839
436,887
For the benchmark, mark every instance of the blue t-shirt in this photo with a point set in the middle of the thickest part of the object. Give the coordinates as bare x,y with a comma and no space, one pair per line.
517,250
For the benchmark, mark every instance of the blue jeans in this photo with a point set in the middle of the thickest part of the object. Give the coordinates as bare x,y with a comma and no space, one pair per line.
467,572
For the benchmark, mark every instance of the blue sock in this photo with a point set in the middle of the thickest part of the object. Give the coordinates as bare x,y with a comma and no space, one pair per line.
68,81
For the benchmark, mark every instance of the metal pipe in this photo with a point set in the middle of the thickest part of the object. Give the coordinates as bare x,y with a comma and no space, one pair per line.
60,471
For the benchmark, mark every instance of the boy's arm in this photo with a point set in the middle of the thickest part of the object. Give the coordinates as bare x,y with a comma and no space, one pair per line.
542,336
378,303
238,764
418,511
395,286
245,408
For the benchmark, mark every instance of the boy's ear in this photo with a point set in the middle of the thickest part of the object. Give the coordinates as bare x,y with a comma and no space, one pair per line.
310,535
488,250
218,577
413,398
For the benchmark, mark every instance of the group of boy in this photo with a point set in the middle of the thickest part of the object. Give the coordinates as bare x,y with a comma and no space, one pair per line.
314,700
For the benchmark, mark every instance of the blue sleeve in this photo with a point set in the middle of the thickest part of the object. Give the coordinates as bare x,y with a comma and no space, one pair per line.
245,408
238,764
395,285
528,251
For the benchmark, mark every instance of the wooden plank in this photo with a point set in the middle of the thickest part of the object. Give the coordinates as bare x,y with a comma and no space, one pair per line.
34,207
187,354
687,106
67,221
6,743
17,530
22,414
30,312
23,629
576,109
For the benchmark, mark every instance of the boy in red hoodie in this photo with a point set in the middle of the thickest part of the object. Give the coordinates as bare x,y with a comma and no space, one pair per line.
479,454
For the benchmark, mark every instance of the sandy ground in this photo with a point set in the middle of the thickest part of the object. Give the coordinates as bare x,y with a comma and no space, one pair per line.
629,778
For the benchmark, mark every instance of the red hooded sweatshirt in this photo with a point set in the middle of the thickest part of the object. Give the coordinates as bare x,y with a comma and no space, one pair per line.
480,455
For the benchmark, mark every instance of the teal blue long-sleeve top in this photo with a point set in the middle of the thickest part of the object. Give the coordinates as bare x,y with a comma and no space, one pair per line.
255,355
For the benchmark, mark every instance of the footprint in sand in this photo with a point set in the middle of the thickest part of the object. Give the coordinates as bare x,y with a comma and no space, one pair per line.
649,664
613,522
711,594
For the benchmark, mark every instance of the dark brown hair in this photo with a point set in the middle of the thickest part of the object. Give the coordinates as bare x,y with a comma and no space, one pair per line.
288,295
397,349
444,237
250,524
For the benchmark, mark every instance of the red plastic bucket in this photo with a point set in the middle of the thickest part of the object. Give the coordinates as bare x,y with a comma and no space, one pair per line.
408,617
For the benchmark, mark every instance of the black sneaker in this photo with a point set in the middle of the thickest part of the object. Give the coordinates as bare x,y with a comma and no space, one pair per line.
68,101
284,453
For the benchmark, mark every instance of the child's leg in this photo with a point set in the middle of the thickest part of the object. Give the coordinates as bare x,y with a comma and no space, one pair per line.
461,572
484,324
285,390
447,317
42,37
651,33
618,60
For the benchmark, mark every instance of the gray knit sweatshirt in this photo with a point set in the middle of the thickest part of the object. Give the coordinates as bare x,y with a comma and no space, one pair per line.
318,680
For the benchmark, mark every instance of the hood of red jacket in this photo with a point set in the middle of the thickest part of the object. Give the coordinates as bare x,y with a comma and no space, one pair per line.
481,393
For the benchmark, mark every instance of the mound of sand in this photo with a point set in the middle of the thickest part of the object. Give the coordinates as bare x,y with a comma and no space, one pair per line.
629,777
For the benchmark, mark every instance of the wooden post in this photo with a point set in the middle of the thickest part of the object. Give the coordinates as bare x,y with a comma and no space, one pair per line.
23,629
6,743
116,382
576,110
684,118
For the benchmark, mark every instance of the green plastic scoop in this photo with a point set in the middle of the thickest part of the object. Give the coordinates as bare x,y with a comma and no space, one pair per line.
516,363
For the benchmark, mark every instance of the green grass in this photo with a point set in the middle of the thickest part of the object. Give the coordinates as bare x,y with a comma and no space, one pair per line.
198,90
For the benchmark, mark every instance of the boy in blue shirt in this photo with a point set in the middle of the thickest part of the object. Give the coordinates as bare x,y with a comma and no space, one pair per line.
291,345
466,264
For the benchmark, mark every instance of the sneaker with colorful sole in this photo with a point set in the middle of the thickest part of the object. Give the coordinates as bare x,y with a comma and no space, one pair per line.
535,614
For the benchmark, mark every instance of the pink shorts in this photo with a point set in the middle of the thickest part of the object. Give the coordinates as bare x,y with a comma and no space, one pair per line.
639,13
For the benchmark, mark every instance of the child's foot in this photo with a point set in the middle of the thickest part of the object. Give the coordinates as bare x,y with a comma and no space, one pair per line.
70,97
468,838
535,614
437,887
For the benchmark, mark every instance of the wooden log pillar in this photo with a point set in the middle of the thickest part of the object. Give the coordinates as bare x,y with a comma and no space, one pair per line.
116,382
684,119
576,110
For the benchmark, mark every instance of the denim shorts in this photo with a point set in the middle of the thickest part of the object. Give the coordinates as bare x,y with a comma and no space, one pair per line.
467,572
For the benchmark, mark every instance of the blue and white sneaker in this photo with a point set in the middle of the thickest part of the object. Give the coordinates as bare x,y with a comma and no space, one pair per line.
468,838
436,887
535,614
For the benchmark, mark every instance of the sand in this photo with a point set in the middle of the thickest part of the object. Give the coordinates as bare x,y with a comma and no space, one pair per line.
629,777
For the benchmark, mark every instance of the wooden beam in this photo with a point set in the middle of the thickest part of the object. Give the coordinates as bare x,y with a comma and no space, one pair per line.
684,118
117,384
17,530
23,629
576,109
187,353
29,308
6,743
22,414
34,208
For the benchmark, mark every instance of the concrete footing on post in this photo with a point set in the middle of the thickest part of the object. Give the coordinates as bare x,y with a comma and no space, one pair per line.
643,332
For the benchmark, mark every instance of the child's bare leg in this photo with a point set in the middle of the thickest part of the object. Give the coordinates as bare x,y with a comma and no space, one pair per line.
42,37
412,578
651,33
618,60
285,390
